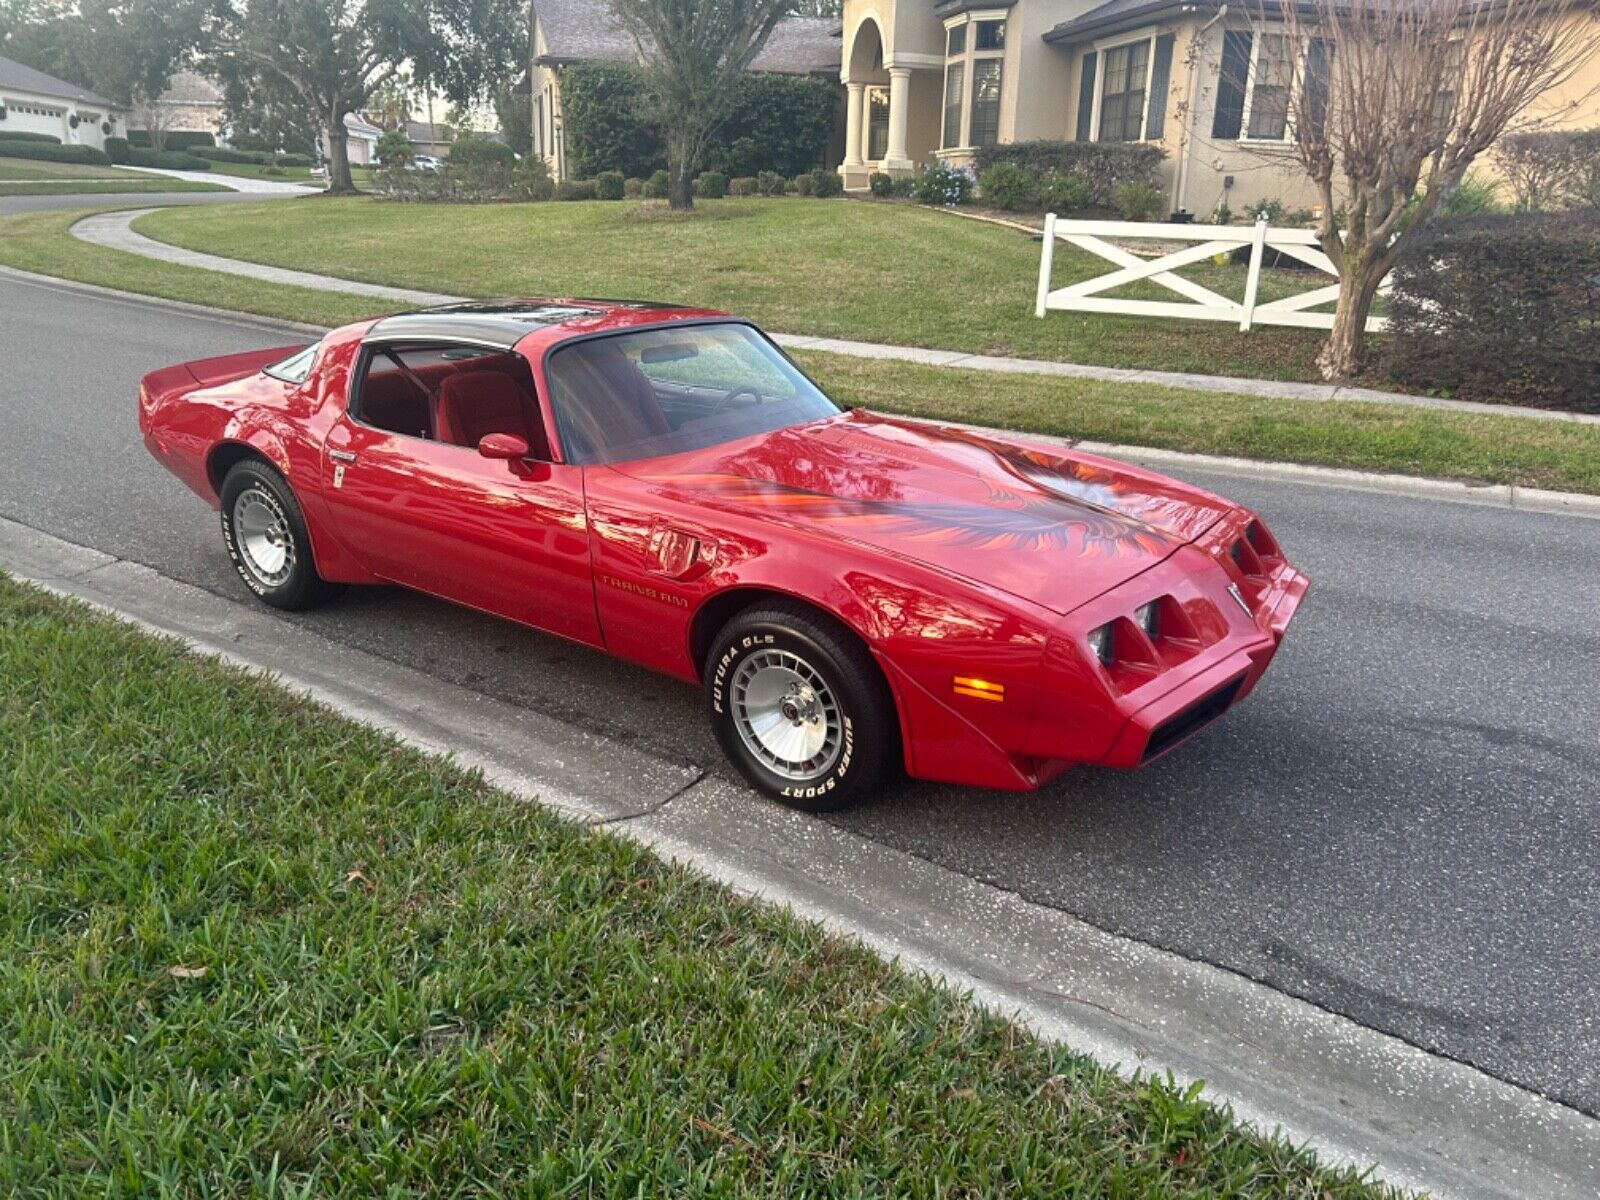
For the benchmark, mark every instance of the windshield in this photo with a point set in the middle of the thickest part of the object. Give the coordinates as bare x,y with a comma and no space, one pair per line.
665,391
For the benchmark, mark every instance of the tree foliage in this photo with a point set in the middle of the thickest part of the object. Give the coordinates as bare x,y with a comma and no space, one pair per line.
123,49
695,52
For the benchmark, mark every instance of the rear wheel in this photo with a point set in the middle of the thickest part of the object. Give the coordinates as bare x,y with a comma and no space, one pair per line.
267,540
800,707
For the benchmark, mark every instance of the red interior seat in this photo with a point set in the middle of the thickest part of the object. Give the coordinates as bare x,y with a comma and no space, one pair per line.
474,404
608,399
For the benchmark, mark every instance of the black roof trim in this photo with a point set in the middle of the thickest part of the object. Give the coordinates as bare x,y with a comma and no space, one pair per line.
951,8
497,323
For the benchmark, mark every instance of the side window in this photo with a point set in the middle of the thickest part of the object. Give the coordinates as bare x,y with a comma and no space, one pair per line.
453,394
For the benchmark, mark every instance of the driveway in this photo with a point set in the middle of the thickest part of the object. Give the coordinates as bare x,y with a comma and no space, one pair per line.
1400,825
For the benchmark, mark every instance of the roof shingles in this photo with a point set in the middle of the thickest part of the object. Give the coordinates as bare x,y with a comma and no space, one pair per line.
14,77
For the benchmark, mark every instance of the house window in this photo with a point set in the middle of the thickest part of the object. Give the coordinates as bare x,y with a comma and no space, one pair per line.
1444,100
955,41
955,78
877,123
1122,96
985,101
991,35
1269,90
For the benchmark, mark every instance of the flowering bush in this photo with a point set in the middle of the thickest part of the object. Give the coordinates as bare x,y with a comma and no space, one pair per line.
942,184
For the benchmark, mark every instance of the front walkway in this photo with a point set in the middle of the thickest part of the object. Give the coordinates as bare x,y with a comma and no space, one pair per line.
114,231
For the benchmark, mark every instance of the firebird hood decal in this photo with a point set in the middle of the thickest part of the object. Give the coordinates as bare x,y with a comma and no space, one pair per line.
1048,525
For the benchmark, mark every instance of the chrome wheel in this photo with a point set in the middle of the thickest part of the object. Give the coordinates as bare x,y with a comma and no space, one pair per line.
786,715
261,533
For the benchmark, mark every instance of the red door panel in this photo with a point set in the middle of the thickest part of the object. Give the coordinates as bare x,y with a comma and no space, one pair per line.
507,538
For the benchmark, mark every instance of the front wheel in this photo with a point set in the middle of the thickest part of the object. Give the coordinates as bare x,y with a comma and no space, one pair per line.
267,540
800,707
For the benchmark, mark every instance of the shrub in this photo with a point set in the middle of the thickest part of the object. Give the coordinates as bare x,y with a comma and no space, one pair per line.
47,152
826,183
1138,201
770,183
228,154
1478,196
1101,165
576,189
941,184
745,185
394,147
1064,193
1552,169
169,160
633,188
293,160
1501,308
713,185
19,135
178,139
273,169
802,184
1009,186
468,151
657,186
470,183
116,149
610,185
881,184
604,123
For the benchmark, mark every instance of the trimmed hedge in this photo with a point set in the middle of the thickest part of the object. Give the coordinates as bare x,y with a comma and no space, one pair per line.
21,136
780,123
178,139
170,160
1501,308
116,149
471,151
711,185
576,189
55,152
229,155
610,185
1103,166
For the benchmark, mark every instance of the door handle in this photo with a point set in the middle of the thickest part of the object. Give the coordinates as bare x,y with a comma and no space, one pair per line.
343,456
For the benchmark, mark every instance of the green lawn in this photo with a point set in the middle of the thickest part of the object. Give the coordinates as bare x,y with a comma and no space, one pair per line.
247,947
28,177
361,175
871,272
1377,437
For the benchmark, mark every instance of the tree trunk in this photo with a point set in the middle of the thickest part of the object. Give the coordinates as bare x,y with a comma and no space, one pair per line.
680,175
338,158
1344,353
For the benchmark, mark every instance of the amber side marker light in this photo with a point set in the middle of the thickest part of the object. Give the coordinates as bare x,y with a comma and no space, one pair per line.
979,689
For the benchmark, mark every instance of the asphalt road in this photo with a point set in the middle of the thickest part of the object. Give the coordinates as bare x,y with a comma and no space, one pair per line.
1402,824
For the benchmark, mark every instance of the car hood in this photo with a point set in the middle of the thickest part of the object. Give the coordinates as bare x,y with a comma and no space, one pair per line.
1038,521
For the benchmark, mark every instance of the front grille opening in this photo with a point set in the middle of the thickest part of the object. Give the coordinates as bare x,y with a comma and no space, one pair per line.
1192,719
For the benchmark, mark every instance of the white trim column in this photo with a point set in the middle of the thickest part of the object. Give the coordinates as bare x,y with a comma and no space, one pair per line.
854,115
898,157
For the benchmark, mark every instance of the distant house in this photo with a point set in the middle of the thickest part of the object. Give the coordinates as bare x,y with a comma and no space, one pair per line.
191,104
33,102
572,31
360,140
429,137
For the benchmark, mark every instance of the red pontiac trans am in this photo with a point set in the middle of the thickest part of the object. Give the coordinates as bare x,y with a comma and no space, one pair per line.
852,592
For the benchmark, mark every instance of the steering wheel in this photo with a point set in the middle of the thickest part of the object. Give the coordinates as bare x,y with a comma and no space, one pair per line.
733,394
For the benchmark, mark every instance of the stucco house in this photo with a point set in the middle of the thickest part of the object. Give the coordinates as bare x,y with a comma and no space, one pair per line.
568,31
33,102
191,103
937,79
360,140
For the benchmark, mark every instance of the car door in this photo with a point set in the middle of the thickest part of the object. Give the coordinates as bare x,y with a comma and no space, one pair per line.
506,537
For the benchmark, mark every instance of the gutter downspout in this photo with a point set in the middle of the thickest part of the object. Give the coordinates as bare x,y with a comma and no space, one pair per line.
1180,187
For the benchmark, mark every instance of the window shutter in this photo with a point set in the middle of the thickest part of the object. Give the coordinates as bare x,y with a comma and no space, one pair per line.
1318,54
1228,120
1160,78
1086,96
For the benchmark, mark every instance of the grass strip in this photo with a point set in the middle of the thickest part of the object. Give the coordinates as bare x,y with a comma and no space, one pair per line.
1365,436
96,187
252,947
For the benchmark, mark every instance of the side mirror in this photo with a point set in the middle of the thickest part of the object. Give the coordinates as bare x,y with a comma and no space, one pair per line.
507,446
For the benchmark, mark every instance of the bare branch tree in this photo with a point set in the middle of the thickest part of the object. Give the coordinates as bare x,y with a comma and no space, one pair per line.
1390,102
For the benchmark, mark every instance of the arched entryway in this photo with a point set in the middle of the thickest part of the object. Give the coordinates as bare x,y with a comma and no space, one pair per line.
876,98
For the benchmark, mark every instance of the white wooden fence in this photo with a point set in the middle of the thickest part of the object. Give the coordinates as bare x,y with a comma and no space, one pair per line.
1202,304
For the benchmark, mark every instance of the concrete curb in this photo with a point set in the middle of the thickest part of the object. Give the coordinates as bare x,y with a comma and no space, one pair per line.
1354,1095
114,231
1577,504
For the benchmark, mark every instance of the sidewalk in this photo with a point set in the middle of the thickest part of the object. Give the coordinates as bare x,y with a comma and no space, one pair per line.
237,183
114,231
